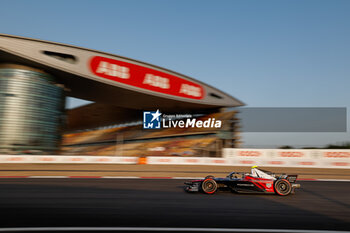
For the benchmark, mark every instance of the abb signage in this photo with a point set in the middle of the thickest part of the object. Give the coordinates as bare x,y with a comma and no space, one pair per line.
145,78
291,154
265,157
67,159
187,161
249,153
316,158
336,154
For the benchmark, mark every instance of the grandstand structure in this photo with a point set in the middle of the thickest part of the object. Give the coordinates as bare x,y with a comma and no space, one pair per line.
36,76
135,141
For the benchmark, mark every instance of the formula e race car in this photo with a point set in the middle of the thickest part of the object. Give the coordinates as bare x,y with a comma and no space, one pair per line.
258,181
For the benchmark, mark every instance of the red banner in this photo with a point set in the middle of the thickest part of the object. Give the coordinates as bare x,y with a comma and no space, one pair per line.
145,78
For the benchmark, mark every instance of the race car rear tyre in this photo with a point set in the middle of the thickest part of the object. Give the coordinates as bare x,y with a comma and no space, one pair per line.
209,186
283,187
209,177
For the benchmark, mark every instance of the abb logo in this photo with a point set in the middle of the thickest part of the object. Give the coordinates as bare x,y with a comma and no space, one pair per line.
246,162
343,164
47,159
249,153
164,160
103,160
156,81
191,160
219,161
129,160
276,162
307,163
145,78
340,154
15,159
113,70
76,159
190,90
291,154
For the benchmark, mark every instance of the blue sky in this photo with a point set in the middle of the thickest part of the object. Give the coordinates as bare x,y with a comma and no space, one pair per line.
265,53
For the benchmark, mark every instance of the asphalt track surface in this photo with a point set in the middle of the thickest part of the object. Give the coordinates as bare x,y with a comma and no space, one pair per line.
163,203
158,170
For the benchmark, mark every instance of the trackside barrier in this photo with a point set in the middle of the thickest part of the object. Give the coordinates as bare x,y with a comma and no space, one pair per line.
289,158
189,161
67,159
231,157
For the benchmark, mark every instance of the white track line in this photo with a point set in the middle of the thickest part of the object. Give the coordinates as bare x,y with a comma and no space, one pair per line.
187,178
160,229
120,177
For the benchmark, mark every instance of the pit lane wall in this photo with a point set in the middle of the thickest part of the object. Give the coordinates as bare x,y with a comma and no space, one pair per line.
231,157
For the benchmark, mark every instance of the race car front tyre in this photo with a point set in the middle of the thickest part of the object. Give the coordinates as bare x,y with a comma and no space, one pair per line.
209,177
283,187
209,186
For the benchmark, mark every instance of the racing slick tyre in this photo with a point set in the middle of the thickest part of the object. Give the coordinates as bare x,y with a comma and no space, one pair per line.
209,186
209,177
283,187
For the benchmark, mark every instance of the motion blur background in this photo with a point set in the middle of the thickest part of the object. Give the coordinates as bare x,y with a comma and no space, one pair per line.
265,53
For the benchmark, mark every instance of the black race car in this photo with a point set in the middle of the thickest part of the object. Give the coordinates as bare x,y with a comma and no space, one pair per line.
258,181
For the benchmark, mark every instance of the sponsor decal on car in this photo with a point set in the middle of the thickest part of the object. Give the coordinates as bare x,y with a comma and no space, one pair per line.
245,185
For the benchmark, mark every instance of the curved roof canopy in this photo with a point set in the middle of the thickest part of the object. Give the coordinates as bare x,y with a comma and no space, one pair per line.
112,79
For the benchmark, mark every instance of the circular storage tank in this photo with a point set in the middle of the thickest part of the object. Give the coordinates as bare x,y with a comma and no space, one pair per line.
31,108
